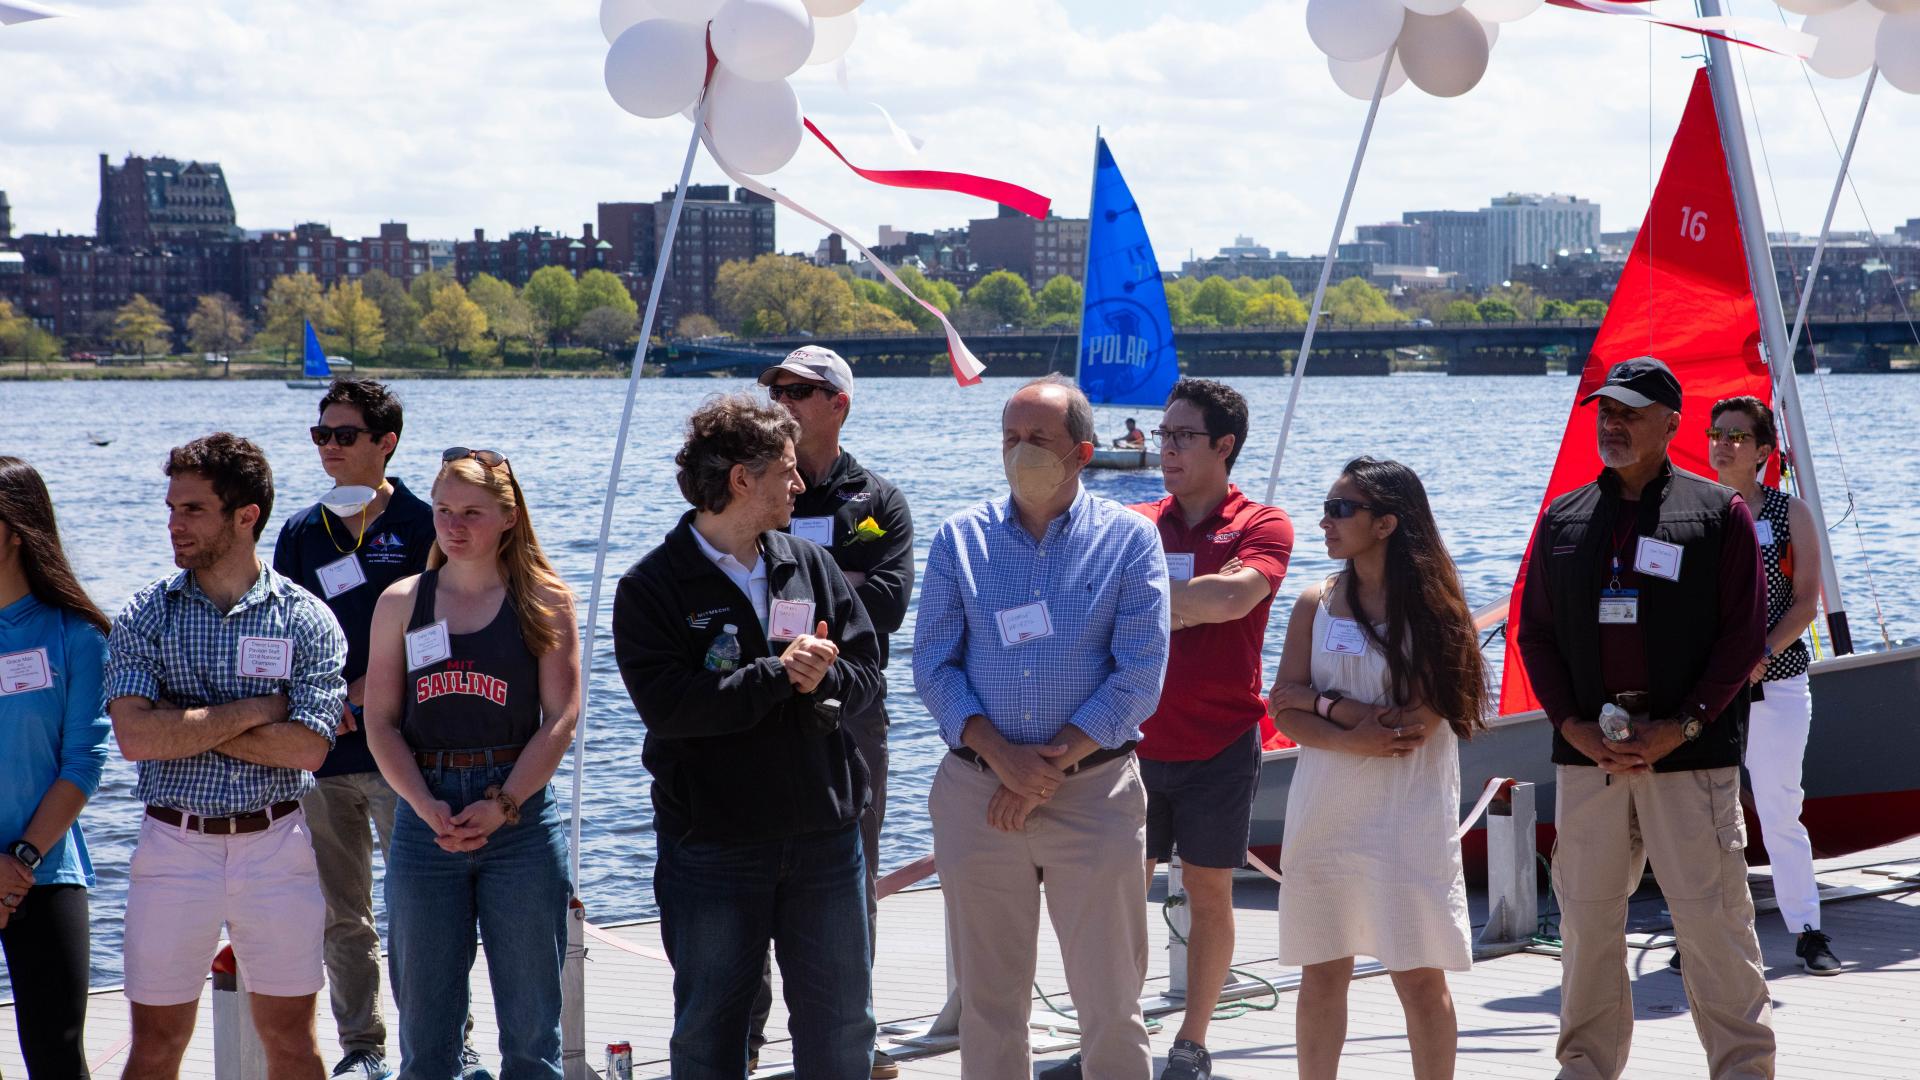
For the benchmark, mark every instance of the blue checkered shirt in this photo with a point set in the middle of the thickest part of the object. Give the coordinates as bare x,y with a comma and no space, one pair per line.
172,643
1103,576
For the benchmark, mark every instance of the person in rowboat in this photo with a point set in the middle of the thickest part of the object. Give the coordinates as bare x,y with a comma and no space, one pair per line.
1380,679
473,691
1132,438
1646,562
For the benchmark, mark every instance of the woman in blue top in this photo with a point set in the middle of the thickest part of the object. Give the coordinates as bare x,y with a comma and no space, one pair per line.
53,743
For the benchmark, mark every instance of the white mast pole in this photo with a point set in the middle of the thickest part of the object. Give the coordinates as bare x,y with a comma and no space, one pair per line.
1326,273
1773,323
1086,264
1826,226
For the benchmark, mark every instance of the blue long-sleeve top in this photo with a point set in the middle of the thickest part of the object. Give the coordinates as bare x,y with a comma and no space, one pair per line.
58,733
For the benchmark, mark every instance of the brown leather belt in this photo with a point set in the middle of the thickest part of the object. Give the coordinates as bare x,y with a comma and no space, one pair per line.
257,821
1098,757
466,759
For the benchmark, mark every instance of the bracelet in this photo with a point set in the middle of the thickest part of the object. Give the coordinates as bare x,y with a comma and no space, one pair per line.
509,806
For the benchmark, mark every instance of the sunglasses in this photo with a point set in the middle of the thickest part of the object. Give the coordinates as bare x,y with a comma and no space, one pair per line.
1342,509
1179,439
792,391
344,435
1737,438
489,459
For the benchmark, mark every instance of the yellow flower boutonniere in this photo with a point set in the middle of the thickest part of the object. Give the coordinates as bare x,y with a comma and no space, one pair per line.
868,530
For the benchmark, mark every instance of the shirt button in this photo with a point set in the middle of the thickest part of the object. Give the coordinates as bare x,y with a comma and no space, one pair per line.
1026,674
1026,716
1043,553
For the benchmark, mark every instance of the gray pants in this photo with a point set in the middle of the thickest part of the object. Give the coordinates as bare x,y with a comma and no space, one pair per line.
338,809
870,738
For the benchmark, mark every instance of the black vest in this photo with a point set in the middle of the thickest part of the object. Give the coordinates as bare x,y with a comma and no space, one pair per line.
1679,620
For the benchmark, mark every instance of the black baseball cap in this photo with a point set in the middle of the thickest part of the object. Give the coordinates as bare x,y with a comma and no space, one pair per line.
1640,382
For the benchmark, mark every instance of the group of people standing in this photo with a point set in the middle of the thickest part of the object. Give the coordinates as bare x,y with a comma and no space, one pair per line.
405,674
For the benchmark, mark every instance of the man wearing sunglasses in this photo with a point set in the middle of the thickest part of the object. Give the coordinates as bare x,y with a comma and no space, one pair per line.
1643,591
863,522
369,532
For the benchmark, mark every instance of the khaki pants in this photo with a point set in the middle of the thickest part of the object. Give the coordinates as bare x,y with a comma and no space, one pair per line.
1089,841
338,809
1690,824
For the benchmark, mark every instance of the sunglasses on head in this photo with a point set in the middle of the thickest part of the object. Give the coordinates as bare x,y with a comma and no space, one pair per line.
1342,509
1731,435
344,435
490,459
792,391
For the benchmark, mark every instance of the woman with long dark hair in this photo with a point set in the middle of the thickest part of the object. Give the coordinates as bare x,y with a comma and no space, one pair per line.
53,744
1380,679
473,689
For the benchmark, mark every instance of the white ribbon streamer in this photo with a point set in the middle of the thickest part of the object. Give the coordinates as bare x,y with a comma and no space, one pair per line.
1768,35
1486,799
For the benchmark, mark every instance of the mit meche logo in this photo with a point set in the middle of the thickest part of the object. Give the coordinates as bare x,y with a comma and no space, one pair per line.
853,496
702,620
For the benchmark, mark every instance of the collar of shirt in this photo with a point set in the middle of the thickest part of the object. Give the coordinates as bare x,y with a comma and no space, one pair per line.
264,586
1003,508
752,582
1171,516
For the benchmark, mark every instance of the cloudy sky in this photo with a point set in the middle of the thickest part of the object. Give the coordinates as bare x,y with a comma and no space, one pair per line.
452,114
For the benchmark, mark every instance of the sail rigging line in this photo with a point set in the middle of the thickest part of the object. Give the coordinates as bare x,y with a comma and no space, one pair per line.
1326,272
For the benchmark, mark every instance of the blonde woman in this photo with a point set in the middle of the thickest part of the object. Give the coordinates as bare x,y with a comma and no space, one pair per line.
471,698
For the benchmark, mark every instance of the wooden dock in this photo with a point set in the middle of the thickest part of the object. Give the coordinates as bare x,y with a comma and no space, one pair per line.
1864,1024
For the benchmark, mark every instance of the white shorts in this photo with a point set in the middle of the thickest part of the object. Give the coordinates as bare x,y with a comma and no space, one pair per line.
263,887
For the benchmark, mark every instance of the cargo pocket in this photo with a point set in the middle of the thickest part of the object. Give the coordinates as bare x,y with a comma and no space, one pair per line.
1730,833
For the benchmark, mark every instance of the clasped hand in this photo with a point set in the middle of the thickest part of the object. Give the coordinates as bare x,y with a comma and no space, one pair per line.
808,659
15,880
1386,732
466,831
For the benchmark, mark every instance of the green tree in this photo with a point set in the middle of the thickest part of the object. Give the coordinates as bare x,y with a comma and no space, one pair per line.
1460,311
424,286
871,318
140,325
696,325
608,328
763,323
216,325
509,318
554,297
1355,300
1180,293
456,324
21,339
776,294
292,301
1274,309
1495,309
1060,296
938,292
398,313
1218,298
355,320
1004,297
1556,309
1590,309
602,288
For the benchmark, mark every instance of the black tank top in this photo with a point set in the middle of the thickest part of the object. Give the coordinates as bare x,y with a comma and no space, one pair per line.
485,695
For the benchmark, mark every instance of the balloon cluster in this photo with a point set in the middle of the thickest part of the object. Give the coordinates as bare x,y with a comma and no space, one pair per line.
1442,46
1857,34
658,65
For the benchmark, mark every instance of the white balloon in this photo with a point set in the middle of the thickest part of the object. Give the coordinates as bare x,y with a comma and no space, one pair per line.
827,9
1357,77
1445,55
1431,7
617,15
1845,40
1354,29
832,37
755,125
1897,7
1492,30
1897,48
687,10
763,39
656,67
1813,7
1504,10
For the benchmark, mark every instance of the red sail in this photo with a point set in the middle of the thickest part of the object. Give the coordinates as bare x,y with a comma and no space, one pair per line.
1683,297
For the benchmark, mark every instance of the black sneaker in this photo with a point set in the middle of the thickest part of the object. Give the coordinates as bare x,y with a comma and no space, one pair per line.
884,1067
363,1065
1188,1060
1066,1070
470,1067
1816,953
1674,964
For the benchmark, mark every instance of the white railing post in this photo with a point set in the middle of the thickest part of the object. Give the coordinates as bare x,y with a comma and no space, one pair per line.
1180,918
1513,877
573,998
237,1053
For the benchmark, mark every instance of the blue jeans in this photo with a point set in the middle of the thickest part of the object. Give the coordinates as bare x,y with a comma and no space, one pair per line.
720,904
515,889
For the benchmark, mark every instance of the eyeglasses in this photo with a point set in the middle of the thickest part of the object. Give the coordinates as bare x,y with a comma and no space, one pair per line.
1178,438
792,391
1732,435
344,435
490,459
1342,509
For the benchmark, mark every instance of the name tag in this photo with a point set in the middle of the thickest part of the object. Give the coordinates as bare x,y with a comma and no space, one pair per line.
1619,607
428,645
24,672
266,657
817,529
1344,636
1763,532
1028,622
1180,565
788,619
341,576
1657,558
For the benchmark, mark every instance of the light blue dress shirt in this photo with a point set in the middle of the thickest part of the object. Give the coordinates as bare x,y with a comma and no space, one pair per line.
59,733
1101,573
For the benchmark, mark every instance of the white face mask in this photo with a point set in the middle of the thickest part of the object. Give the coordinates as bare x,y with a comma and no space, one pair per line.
347,500
1033,473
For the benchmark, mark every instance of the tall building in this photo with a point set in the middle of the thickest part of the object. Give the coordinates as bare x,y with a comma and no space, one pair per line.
514,259
1530,230
1453,240
1036,250
713,232
147,201
313,249
6,217
1407,243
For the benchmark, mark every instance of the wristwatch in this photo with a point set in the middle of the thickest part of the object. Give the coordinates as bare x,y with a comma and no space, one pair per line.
1691,727
1323,705
28,855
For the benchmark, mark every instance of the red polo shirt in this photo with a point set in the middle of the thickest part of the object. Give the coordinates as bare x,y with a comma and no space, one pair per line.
1213,689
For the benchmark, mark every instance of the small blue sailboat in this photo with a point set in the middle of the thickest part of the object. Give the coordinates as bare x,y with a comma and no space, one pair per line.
315,372
1126,353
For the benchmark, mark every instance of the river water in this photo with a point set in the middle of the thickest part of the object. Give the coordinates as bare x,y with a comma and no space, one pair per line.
1483,445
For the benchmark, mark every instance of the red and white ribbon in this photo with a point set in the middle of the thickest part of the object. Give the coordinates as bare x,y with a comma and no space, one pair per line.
1754,33
1031,203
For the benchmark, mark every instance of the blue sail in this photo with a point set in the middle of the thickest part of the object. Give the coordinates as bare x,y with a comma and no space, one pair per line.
316,366
1126,336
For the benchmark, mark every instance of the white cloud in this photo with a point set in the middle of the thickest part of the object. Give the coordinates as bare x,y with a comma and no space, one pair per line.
455,115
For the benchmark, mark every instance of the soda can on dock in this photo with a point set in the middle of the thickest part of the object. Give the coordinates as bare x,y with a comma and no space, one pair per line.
619,1061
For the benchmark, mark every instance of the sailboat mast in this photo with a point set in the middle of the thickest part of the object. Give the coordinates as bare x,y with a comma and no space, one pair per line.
1773,321
1086,257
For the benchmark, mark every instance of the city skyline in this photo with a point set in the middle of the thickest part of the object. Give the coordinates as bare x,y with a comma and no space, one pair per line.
451,121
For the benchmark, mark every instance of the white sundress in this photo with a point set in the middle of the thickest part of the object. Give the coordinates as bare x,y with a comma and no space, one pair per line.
1368,861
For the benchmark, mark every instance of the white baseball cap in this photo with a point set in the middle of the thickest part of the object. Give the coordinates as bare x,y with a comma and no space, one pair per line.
815,363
